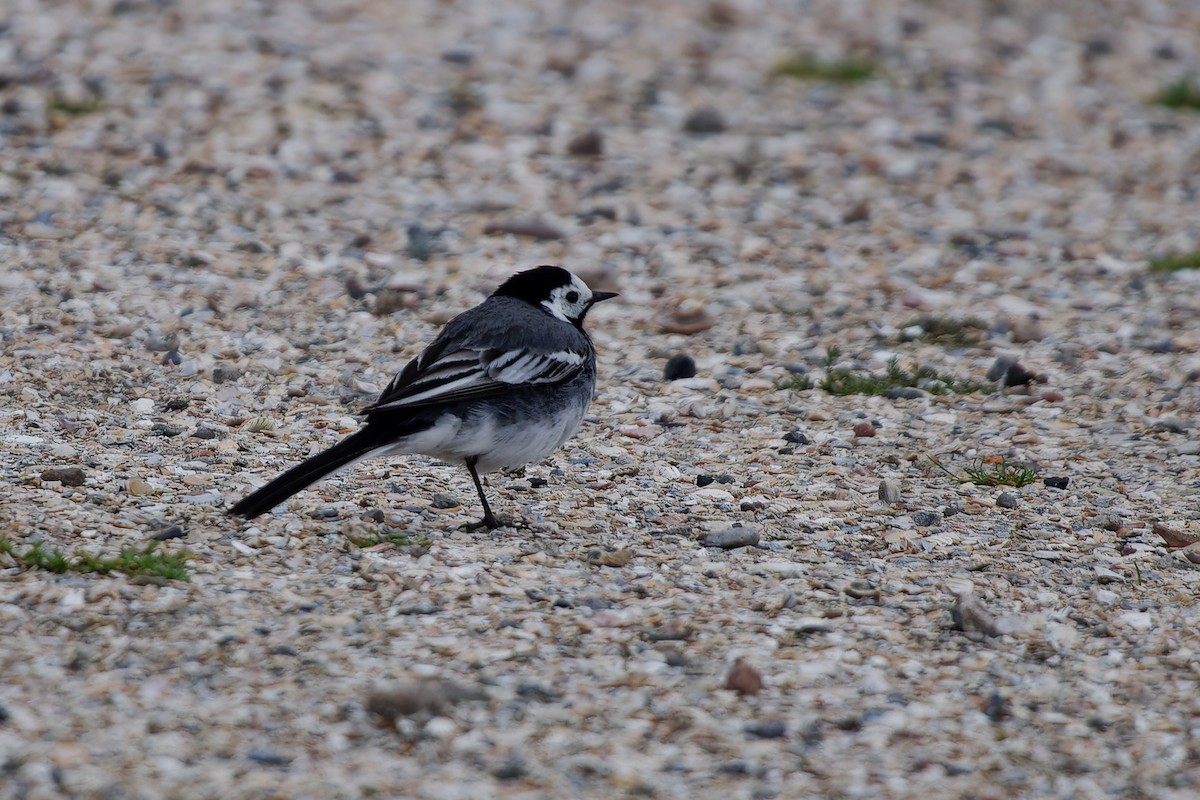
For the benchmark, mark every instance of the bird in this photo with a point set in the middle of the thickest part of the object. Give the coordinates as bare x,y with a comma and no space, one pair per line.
503,384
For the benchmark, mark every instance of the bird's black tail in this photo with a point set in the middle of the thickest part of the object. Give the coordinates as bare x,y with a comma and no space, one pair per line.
306,473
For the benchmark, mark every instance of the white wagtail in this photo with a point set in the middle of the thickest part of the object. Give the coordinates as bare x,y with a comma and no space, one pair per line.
503,384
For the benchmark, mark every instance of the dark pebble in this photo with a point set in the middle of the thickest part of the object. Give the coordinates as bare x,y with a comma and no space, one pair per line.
4,716
536,691
704,480
679,366
1017,375
704,120
926,518
904,393
1057,483
1000,367
588,143
731,538
676,659
796,437
177,404
767,729
205,433
269,757
420,242
510,770
443,500
324,513
1006,500
996,708
458,55
537,483
163,429
67,476
173,532
724,477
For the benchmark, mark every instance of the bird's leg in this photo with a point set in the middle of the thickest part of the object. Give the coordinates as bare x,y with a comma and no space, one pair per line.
489,519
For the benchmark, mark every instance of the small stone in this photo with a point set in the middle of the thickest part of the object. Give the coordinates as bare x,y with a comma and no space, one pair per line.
510,770
767,729
458,55
269,758
864,429
407,699
443,500
1025,329
202,432
744,679
604,558
1007,500
732,538
391,299
904,393
679,366
1056,482
862,590
67,476
173,532
588,143
1174,538
704,480
704,120
970,616
533,228
796,437
926,519
889,491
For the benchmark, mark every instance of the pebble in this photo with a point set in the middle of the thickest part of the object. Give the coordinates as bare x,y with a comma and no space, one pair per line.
443,500
588,143
744,679
767,729
926,519
679,366
704,120
796,437
970,616
889,491
1007,500
67,476
864,429
731,538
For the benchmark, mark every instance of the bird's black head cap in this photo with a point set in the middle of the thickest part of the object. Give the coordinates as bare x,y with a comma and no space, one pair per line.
534,285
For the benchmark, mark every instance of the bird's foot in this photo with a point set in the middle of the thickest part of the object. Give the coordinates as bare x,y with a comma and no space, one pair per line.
492,522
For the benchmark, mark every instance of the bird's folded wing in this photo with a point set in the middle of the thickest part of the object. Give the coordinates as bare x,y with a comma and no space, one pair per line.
471,374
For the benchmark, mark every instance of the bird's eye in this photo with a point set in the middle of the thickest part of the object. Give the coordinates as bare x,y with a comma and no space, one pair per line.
572,297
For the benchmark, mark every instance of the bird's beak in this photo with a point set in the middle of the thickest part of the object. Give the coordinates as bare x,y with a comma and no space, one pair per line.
600,296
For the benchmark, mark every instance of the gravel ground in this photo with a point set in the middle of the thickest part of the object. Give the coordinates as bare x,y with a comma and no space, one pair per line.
224,226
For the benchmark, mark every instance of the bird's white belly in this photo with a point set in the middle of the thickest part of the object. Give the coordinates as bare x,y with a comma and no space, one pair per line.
453,439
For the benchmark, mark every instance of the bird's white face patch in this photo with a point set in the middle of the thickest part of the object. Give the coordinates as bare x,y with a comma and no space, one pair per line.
569,303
